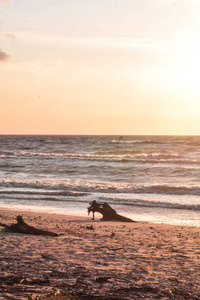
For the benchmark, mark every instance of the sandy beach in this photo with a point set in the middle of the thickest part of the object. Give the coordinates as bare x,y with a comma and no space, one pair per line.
98,260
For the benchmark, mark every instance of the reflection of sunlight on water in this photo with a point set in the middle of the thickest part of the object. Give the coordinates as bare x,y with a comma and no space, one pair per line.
69,210
166,216
161,175
142,214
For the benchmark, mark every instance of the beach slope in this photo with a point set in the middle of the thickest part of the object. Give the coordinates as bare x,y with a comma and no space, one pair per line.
98,260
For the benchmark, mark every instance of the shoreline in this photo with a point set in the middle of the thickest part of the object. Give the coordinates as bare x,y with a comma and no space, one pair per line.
99,260
137,217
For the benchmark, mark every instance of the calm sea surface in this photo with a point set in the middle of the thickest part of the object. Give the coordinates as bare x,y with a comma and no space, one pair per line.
151,178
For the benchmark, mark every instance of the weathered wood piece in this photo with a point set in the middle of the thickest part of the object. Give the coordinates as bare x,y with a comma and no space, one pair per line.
22,227
109,214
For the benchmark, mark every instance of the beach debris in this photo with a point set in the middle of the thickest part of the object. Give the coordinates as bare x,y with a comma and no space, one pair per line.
112,235
90,227
22,227
113,249
109,214
102,279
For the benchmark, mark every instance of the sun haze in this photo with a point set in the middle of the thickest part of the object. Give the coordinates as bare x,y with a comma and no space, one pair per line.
100,67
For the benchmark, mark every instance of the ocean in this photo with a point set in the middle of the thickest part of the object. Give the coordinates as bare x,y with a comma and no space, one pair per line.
146,178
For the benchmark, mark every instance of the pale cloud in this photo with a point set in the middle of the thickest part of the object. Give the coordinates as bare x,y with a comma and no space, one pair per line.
37,68
11,37
4,56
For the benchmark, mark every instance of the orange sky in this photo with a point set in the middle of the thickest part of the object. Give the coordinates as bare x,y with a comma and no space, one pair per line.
108,67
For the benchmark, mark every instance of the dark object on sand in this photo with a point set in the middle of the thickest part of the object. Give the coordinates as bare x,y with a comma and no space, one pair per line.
109,214
22,227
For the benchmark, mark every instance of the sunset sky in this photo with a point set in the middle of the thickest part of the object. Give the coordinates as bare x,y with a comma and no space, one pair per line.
100,67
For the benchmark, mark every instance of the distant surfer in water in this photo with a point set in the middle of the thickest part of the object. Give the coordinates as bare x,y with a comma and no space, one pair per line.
118,142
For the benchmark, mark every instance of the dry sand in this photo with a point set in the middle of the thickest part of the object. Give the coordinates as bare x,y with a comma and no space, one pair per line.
99,260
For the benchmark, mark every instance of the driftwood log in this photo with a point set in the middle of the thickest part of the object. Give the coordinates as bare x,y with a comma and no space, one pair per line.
109,214
22,227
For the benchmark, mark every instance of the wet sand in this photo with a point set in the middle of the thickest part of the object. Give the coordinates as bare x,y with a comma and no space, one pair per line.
98,260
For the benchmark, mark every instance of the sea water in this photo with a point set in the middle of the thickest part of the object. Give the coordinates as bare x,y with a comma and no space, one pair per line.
146,178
